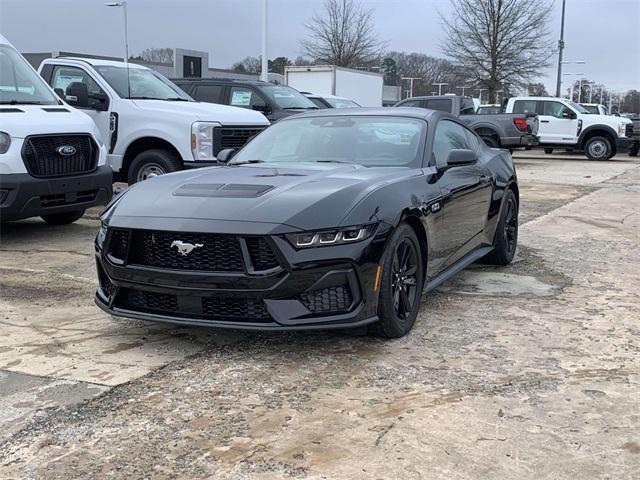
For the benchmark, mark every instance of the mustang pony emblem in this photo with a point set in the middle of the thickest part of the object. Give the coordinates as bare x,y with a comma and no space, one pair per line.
184,248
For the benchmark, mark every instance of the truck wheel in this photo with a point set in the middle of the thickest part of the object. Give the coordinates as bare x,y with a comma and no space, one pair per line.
633,150
151,163
548,151
64,218
598,148
490,141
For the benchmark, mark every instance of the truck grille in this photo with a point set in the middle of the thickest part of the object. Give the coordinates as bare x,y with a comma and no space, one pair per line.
629,130
203,252
42,159
232,137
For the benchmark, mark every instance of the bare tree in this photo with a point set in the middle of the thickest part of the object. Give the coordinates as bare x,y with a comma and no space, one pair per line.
248,65
343,35
162,55
504,44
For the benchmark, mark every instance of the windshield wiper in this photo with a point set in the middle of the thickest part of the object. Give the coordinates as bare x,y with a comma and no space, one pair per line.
176,99
18,102
300,108
331,161
247,161
145,98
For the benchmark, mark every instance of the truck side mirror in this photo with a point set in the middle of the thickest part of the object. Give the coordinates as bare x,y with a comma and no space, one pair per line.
264,109
101,102
78,95
225,155
570,114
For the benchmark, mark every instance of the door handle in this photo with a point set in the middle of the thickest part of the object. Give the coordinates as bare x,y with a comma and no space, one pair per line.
544,121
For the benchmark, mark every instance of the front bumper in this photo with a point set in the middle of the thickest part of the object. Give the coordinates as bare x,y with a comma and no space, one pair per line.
307,291
24,196
526,140
624,144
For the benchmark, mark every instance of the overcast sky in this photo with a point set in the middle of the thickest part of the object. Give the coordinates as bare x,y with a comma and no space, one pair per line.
605,33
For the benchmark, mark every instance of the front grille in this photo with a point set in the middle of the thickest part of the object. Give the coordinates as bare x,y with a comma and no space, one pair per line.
105,284
186,251
629,130
328,300
145,301
261,253
119,244
234,308
233,137
42,159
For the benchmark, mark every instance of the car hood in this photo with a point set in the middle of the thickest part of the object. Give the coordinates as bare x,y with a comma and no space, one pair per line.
206,112
22,120
306,197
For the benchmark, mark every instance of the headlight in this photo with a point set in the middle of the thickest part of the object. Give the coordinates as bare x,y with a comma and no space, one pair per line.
5,142
339,236
622,129
102,235
202,140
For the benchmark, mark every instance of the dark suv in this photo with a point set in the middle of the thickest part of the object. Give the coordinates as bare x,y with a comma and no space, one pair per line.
274,101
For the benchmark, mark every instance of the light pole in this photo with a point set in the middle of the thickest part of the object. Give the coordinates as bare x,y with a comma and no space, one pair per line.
463,89
440,85
123,4
560,48
264,74
480,90
411,79
573,83
591,84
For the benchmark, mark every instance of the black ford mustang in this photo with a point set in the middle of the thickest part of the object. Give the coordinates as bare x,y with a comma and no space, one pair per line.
330,219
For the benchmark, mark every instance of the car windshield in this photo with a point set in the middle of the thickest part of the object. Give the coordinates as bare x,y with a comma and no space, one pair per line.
591,108
287,97
578,107
341,102
144,84
363,140
19,83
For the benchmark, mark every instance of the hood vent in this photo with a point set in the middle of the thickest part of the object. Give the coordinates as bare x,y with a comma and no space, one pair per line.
55,110
229,190
11,110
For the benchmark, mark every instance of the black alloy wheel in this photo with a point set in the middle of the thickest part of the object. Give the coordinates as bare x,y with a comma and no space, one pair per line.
400,285
506,236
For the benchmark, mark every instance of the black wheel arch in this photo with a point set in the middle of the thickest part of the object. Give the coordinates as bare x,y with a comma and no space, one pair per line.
598,131
142,144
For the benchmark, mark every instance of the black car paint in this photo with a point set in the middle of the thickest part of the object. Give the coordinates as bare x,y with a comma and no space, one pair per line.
454,211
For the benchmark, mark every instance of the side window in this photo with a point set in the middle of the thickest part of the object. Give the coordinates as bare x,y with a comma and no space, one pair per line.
442,104
472,138
449,135
468,108
63,77
411,103
524,106
553,109
208,93
245,97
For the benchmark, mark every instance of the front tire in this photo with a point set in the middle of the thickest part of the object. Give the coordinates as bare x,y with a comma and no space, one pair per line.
401,284
152,163
633,150
506,237
598,148
64,218
548,151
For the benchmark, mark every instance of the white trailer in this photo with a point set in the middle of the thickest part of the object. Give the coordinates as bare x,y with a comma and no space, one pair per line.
365,88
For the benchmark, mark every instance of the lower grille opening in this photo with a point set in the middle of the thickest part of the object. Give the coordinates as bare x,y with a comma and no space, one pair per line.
248,309
62,199
329,300
151,302
105,283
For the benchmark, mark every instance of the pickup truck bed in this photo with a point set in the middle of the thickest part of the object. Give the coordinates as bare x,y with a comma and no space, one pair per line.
500,130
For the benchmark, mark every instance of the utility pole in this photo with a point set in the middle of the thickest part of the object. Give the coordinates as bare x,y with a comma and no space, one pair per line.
560,48
580,91
264,74
411,79
440,85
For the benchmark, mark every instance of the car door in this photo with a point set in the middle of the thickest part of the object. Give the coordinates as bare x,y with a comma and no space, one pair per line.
247,97
63,76
558,122
210,93
466,191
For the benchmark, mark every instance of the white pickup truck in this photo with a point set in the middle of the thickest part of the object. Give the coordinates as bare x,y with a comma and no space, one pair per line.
565,124
150,126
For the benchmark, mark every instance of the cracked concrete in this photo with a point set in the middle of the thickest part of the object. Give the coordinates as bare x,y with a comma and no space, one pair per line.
528,371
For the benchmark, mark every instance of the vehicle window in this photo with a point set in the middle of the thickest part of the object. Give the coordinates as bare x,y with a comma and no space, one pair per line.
449,135
442,104
472,138
142,83
468,108
245,98
318,102
370,141
591,108
287,97
524,106
491,110
64,76
341,102
208,93
554,109
411,103
577,106
19,83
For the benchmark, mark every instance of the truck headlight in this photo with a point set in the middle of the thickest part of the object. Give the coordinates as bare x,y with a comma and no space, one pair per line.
338,236
202,140
622,129
5,142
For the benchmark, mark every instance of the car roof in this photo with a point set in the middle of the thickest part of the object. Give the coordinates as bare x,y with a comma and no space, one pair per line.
407,112
96,62
222,80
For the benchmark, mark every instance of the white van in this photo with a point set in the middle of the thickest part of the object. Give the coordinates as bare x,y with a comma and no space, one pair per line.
150,126
52,160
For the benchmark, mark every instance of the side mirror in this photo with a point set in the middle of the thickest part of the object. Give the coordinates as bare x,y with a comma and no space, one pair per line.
264,109
78,95
459,156
570,114
100,102
225,155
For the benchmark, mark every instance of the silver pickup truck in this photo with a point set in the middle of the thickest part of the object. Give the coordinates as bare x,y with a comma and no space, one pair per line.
499,130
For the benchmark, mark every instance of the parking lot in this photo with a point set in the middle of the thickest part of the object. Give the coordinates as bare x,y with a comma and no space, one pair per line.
528,371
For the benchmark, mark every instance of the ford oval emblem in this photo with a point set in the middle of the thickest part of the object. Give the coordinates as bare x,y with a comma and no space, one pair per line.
66,150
